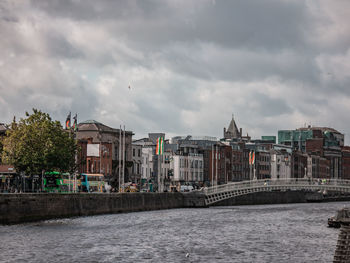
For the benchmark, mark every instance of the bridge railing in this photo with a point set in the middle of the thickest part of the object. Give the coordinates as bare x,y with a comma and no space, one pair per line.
278,182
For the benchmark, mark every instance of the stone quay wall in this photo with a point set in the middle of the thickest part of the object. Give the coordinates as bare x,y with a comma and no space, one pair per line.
264,198
18,208
283,197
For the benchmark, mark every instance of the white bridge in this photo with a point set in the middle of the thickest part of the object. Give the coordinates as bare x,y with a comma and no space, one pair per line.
219,193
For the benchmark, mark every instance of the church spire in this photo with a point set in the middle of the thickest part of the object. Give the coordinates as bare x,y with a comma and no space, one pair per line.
232,131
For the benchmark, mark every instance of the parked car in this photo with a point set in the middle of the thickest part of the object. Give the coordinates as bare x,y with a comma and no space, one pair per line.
186,188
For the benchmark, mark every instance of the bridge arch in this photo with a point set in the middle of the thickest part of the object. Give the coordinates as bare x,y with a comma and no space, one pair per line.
219,193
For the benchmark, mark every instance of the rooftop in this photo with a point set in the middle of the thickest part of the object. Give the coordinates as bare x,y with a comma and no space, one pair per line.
92,125
3,127
323,129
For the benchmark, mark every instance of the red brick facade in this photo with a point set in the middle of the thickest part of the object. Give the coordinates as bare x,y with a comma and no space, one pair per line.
93,164
220,170
346,162
315,146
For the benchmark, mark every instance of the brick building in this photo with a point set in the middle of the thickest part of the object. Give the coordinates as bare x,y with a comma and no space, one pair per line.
100,147
220,164
237,165
317,141
262,165
317,167
346,162
299,164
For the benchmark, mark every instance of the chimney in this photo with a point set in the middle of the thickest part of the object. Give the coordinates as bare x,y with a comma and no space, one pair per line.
240,132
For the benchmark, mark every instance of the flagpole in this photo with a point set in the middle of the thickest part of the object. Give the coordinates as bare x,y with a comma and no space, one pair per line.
226,176
253,161
216,166
159,172
159,165
250,166
100,155
212,165
250,172
123,179
120,156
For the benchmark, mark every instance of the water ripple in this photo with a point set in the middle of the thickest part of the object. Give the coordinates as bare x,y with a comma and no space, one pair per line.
269,233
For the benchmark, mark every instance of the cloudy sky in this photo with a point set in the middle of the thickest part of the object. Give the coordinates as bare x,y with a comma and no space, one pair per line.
274,64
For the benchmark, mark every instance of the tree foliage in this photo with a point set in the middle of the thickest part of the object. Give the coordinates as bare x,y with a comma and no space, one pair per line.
36,144
1,146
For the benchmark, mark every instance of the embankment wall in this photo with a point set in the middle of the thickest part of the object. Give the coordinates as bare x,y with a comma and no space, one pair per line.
266,198
283,197
17,208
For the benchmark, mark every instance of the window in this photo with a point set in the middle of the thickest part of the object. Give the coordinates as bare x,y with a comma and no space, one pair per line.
133,152
139,152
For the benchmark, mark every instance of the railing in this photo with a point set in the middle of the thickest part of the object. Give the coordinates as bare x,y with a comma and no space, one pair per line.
314,183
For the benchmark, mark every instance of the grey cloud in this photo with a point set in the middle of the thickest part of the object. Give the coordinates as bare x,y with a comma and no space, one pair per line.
211,62
58,46
267,106
199,46
254,24
167,116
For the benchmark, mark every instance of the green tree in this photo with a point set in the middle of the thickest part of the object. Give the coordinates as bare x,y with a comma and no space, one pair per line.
1,149
36,144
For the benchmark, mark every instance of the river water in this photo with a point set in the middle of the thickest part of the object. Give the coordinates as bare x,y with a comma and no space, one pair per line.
264,233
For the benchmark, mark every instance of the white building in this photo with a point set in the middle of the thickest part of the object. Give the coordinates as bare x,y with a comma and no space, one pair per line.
187,169
137,163
280,164
180,164
147,163
165,176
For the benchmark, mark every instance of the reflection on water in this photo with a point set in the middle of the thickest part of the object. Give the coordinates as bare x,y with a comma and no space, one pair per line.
269,233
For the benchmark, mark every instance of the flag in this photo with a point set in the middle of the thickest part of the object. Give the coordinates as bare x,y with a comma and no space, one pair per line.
251,158
75,123
68,122
160,146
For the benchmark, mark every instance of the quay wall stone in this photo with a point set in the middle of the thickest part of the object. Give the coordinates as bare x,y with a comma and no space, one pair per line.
18,208
264,198
283,197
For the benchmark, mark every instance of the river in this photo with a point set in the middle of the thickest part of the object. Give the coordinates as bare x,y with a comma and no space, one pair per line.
264,233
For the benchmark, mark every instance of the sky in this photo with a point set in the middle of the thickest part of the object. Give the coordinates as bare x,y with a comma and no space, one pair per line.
190,64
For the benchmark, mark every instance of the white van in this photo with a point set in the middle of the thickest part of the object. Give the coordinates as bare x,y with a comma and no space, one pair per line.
186,188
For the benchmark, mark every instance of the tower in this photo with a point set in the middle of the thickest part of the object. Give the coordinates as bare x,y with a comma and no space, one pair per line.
232,131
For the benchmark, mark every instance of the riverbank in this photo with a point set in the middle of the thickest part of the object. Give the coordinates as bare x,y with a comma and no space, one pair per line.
19,208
